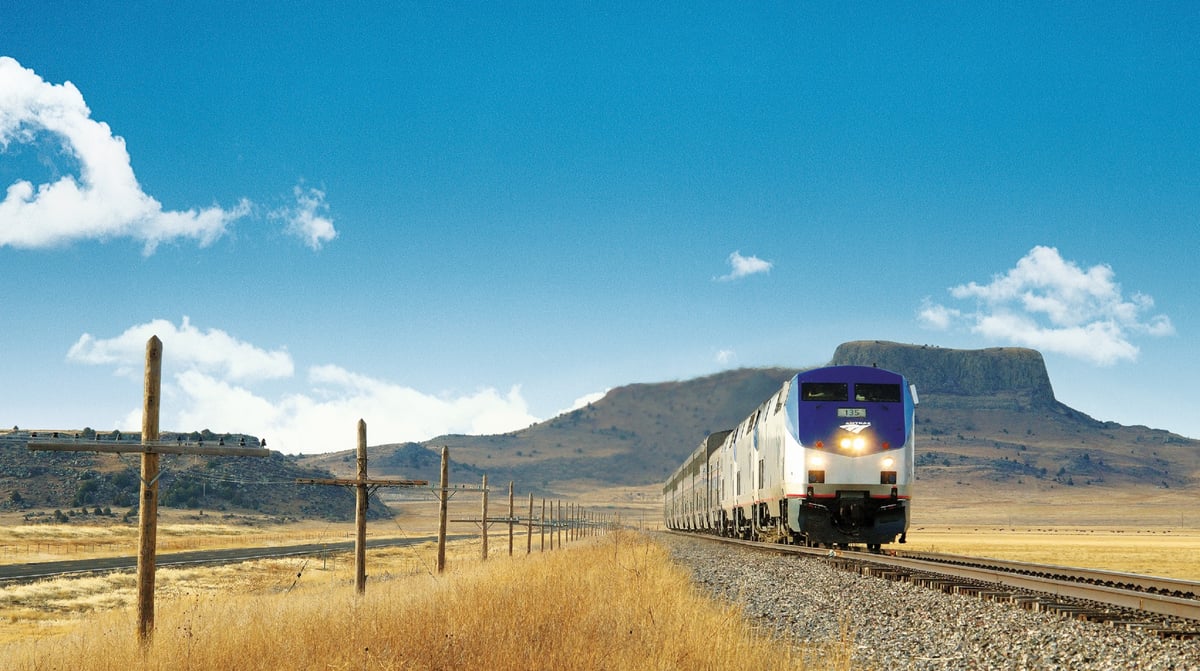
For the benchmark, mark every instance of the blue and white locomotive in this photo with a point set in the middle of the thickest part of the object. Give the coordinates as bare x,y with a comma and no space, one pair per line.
826,460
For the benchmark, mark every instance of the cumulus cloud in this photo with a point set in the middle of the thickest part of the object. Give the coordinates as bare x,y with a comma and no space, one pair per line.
309,219
1052,304
935,316
185,347
214,378
105,199
726,357
743,266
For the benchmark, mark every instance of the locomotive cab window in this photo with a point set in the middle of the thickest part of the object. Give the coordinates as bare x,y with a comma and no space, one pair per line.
876,393
824,391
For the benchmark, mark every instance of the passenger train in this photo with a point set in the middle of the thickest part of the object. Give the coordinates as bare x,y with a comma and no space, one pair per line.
826,460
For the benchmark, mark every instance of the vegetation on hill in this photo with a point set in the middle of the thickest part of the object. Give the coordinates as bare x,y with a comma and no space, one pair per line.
89,481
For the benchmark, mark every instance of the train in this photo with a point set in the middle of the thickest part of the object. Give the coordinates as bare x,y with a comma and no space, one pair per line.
827,460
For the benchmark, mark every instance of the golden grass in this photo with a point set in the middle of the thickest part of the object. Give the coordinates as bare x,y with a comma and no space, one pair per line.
1163,552
613,603
21,543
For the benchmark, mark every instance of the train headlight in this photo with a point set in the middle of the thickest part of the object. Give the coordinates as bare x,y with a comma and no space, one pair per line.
888,462
860,444
846,443
816,461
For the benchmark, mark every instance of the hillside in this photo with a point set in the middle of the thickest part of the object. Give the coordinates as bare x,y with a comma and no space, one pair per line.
91,482
991,416
635,435
987,417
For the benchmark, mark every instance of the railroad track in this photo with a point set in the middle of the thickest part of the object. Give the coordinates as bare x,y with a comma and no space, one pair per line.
1162,606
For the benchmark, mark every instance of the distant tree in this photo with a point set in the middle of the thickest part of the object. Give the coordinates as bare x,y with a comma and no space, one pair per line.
16,497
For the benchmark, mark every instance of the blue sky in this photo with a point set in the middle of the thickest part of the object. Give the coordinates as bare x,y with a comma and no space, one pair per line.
458,218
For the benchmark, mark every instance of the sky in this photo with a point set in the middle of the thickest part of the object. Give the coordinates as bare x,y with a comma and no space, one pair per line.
470,217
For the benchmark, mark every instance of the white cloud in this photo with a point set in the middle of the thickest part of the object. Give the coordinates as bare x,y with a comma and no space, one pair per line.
584,401
937,317
726,356
303,220
185,347
1051,304
212,386
105,200
743,266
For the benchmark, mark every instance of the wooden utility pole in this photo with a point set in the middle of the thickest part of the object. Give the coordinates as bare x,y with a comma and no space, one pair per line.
360,512
150,448
148,508
444,492
442,508
363,487
511,517
484,524
529,529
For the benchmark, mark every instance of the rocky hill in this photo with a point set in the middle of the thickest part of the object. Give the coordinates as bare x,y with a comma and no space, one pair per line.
635,435
986,416
108,484
990,416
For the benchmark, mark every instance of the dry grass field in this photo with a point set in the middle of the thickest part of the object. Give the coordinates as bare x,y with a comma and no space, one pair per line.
1165,552
611,602
1155,532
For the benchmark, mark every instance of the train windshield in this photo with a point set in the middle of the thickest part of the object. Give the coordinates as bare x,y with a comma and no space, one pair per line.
824,391
876,393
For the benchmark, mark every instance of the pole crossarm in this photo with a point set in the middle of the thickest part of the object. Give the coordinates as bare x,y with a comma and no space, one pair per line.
493,520
450,490
151,447
370,482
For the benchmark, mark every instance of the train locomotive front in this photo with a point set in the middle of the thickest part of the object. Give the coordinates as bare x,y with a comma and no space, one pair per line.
826,460
853,429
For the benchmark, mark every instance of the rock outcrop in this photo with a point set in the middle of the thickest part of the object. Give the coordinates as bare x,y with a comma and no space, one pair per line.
996,378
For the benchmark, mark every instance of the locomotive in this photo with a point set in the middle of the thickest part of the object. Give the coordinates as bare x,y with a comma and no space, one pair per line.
826,460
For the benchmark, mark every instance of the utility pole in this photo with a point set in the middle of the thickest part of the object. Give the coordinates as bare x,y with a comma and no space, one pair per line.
363,487
529,528
443,504
150,448
511,517
444,492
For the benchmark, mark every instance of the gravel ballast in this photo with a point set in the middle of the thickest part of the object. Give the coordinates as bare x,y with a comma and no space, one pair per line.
897,625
